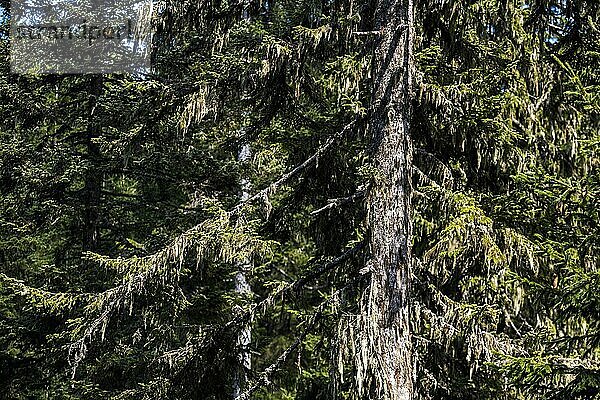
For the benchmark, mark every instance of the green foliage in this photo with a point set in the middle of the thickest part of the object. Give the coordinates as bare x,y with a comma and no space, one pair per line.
122,224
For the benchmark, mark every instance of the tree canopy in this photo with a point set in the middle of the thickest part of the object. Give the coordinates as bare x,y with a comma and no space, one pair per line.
127,209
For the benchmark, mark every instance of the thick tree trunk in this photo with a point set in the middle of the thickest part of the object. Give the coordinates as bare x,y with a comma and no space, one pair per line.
387,361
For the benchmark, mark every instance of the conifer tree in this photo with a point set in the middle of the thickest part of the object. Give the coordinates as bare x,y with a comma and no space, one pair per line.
421,223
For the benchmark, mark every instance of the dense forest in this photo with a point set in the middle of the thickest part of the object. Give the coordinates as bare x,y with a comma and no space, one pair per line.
310,199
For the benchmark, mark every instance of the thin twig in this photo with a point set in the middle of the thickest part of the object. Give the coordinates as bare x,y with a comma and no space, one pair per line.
337,202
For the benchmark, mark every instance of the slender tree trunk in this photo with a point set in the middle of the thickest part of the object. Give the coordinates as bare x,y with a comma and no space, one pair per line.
93,176
242,287
387,360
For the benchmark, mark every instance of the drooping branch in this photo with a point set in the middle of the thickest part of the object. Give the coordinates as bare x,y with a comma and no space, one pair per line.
211,238
202,238
51,301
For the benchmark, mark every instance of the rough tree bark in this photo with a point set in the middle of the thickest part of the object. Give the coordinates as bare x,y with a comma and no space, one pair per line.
387,364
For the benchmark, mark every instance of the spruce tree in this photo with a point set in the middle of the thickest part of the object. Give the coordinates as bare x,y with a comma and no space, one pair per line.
421,220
